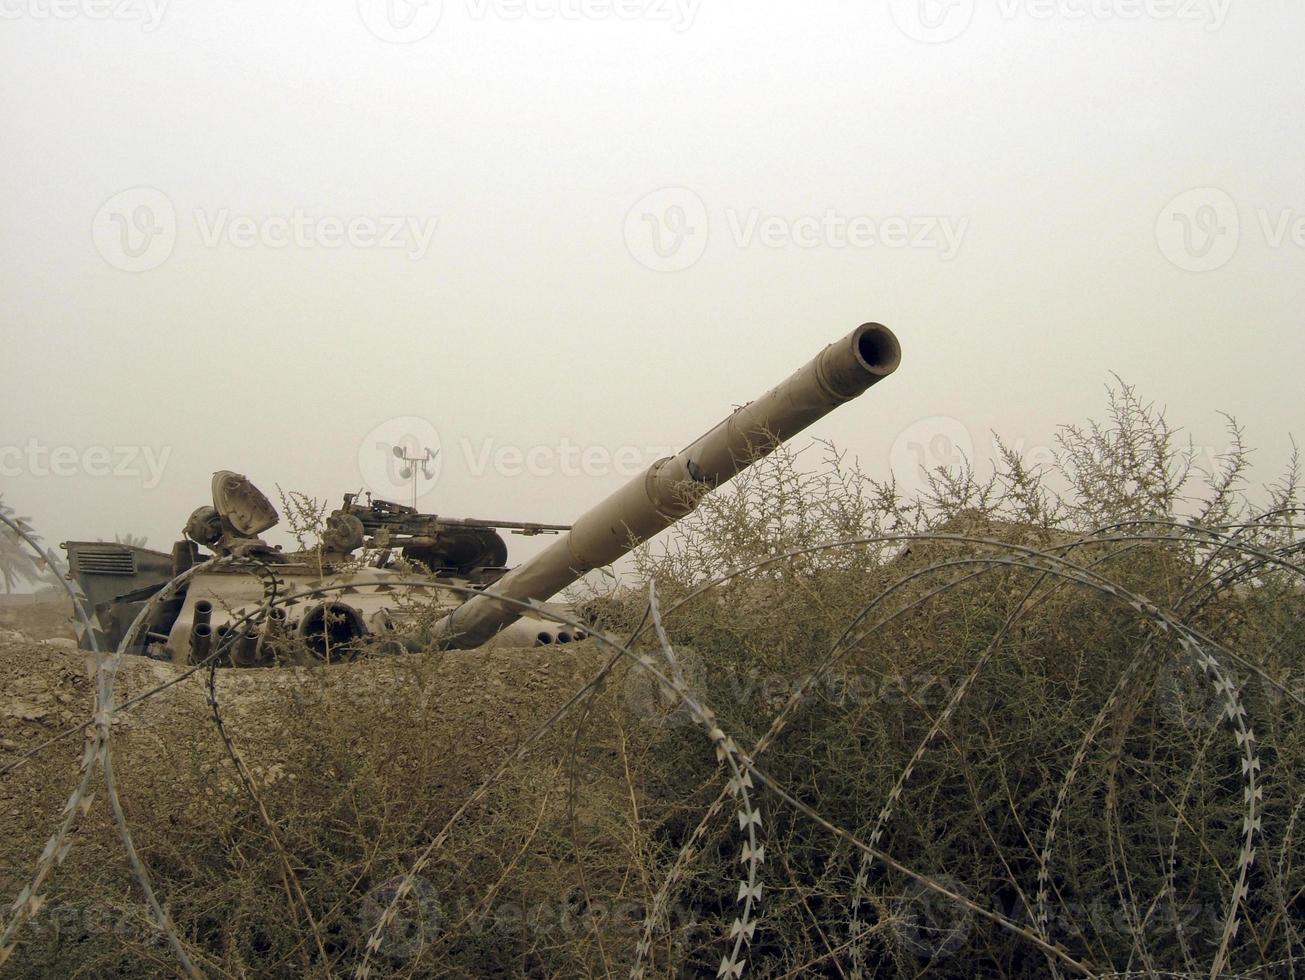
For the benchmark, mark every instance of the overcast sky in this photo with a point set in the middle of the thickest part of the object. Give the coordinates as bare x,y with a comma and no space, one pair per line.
557,236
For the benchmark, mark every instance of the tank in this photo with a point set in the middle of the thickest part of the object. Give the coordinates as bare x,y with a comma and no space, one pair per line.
389,579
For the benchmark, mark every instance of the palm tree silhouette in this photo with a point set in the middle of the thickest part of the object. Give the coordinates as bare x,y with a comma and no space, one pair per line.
17,562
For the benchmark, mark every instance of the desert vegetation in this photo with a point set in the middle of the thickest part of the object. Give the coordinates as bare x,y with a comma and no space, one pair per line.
1019,723
24,558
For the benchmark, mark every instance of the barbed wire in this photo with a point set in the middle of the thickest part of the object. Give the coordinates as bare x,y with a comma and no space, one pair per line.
741,775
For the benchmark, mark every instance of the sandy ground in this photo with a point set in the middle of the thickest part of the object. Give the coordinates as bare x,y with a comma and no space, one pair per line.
471,709
48,617
486,703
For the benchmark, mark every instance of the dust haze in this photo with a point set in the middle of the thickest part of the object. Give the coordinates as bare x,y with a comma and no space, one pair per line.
253,237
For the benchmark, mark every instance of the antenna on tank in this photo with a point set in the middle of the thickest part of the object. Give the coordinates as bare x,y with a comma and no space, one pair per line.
412,465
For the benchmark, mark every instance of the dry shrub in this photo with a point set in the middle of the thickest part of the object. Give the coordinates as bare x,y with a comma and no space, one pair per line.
993,694
1030,692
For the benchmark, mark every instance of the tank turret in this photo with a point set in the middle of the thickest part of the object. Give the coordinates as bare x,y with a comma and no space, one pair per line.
350,594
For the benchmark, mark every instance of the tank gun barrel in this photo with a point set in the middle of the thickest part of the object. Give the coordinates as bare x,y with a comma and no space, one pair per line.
671,488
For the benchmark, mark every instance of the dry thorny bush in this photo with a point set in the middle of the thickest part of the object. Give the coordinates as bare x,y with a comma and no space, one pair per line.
997,728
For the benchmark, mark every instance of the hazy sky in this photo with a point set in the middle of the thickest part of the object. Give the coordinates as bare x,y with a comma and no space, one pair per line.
558,236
